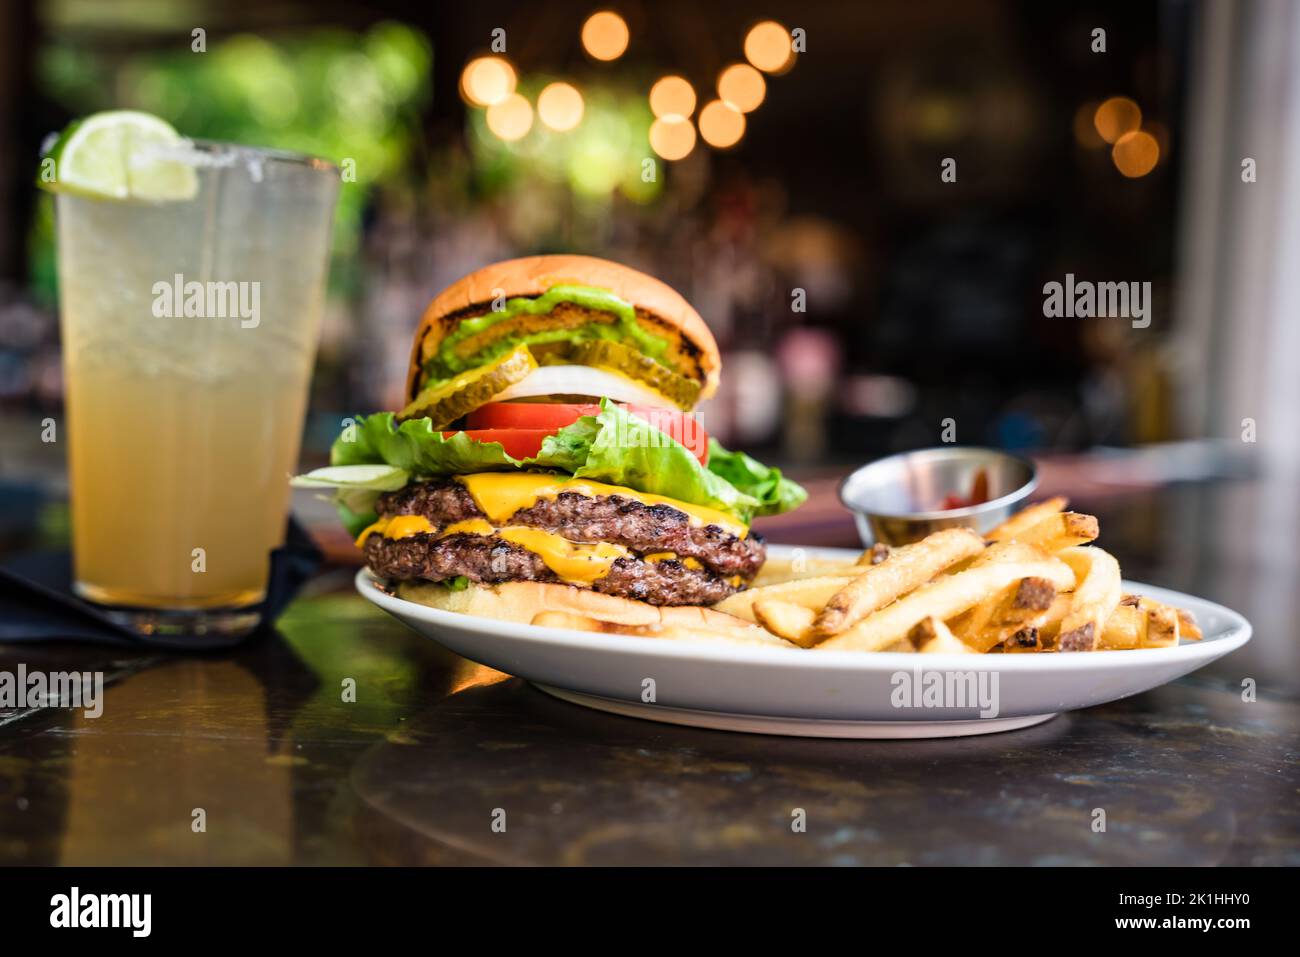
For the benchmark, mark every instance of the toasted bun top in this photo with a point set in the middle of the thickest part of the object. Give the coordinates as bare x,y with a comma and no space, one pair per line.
533,275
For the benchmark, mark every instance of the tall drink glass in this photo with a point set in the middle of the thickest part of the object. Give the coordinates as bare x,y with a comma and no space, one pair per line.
189,331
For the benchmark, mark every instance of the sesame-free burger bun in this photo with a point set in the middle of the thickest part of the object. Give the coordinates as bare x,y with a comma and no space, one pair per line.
564,606
660,309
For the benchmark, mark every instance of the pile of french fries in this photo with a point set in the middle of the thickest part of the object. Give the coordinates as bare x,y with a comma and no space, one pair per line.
1033,584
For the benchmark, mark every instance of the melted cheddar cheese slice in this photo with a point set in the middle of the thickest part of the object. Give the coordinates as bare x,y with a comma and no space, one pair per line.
577,563
688,562
398,526
472,526
500,494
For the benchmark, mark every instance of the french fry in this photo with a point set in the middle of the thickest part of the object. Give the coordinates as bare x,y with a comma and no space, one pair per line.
778,571
1003,552
1162,626
995,620
973,626
1139,622
930,636
809,592
1032,585
1004,613
1124,625
1000,553
1096,596
694,618
1026,519
1062,530
1187,626
874,555
1027,639
1049,622
944,598
905,569
788,620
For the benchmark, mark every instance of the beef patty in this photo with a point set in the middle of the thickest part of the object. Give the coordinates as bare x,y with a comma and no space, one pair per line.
726,562
484,559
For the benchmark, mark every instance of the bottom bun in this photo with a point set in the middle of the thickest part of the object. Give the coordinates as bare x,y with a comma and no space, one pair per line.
565,605
523,601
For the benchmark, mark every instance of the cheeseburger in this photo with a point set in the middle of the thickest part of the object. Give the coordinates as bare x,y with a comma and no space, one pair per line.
547,452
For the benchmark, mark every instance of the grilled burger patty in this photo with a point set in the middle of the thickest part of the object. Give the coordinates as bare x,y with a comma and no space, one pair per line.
482,558
641,528
586,518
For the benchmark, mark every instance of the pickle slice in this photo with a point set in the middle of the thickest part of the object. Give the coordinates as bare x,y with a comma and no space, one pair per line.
448,401
617,357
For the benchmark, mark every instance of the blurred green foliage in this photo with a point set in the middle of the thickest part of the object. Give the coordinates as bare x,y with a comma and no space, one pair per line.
331,93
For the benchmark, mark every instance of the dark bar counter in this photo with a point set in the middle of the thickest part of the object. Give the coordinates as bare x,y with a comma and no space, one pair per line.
255,757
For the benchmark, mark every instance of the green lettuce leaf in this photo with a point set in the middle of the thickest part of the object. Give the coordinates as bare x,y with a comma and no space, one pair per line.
626,450
613,447
357,488
381,477
775,493
418,448
356,510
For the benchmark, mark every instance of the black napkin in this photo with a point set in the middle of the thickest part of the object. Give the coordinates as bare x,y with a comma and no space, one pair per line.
37,602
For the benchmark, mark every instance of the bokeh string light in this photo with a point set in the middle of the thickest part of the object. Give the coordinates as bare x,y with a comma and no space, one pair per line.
1085,129
721,125
1115,117
768,47
672,96
1136,147
605,35
487,80
511,118
560,106
741,86
1136,153
491,83
672,137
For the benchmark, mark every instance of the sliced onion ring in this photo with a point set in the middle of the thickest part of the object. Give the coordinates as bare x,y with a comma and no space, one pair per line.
584,380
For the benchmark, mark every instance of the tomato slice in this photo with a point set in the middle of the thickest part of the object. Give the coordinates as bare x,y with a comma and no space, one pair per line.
678,425
545,418
528,415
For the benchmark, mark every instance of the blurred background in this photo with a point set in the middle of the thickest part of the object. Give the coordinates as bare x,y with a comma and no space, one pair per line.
828,183
796,196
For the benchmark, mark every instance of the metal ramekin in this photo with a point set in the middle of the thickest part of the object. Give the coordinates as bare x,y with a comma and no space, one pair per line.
893,500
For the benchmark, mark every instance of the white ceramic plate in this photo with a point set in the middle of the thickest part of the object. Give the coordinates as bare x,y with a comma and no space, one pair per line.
839,694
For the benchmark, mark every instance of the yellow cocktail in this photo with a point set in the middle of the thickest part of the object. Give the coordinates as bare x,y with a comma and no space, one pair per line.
189,324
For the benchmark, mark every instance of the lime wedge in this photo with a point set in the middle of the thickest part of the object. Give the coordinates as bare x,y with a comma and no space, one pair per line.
121,154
